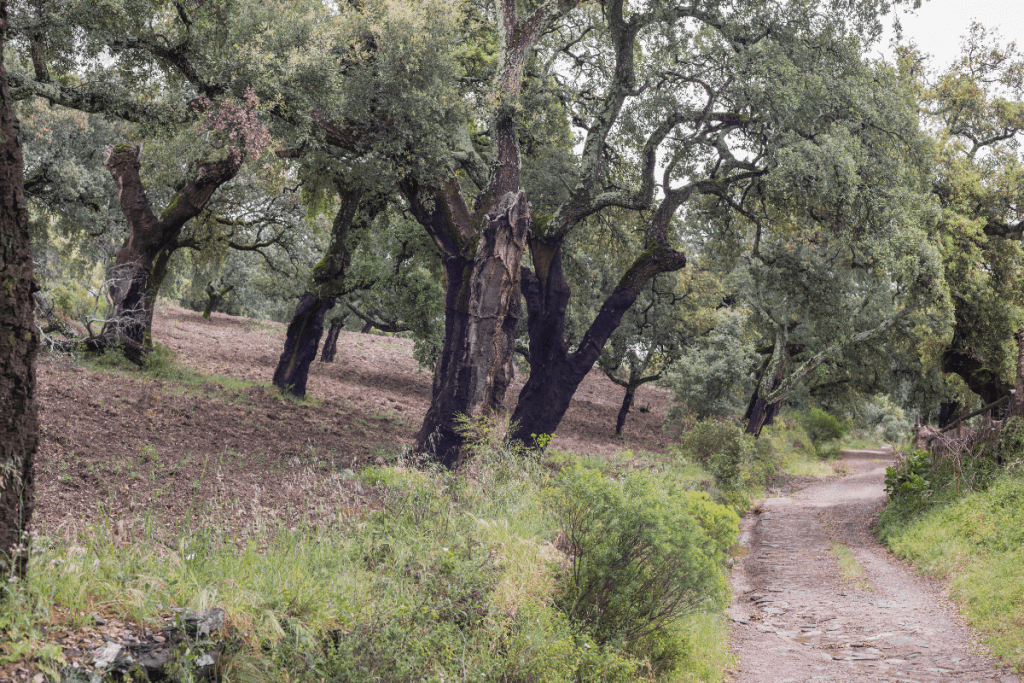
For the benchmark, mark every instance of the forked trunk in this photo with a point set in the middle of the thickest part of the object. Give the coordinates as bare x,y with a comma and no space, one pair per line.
19,426
482,307
144,255
301,342
555,374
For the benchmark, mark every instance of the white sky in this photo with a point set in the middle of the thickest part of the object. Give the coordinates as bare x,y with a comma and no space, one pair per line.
937,28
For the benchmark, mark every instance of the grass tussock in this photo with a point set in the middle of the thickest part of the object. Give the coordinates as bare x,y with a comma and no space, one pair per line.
850,567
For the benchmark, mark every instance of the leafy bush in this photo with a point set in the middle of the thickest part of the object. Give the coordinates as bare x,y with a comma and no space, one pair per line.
641,558
722,448
823,428
711,377
908,479
886,420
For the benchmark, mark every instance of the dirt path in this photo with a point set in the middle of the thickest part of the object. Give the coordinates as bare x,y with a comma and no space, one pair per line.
799,619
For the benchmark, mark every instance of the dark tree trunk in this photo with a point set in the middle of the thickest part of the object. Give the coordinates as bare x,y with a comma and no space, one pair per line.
627,402
156,278
760,413
301,342
482,307
554,372
358,209
975,372
331,343
19,426
367,326
147,249
947,412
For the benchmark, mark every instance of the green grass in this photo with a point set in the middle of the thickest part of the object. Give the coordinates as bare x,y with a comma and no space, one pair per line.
977,544
443,576
850,567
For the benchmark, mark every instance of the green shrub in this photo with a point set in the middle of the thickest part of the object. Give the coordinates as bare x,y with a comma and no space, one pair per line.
823,428
720,447
641,558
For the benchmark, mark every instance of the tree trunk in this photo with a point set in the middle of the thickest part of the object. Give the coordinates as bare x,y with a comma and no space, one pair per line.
301,342
19,426
975,372
760,413
627,402
555,373
331,343
367,326
482,307
145,251
357,210
214,297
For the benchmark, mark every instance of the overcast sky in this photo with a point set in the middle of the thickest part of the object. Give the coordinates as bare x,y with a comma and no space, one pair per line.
939,25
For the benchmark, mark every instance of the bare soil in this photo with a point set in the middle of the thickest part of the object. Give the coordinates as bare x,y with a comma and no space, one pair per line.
800,619
123,449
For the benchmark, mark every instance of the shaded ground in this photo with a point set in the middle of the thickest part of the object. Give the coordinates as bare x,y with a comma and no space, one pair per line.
125,450
800,619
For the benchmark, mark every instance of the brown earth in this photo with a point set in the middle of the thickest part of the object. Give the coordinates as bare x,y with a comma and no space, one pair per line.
121,448
799,619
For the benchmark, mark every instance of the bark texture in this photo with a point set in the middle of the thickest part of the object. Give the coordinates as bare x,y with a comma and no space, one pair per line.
19,426
331,343
149,234
482,307
960,359
627,403
555,373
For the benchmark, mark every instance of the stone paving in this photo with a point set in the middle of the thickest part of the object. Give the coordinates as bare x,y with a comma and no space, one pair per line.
798,619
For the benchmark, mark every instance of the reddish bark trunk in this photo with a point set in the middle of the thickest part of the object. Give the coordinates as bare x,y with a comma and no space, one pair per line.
148,235
19,426
482,308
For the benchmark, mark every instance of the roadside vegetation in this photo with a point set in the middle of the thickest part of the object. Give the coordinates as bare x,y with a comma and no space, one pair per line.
960,517
498,571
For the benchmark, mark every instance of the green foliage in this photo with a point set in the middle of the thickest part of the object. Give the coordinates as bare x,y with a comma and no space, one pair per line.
976,543
907,483
886,420
824,429
713,377
721,447
642,557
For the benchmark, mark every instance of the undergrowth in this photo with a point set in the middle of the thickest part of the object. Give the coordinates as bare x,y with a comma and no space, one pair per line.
442,577
961,518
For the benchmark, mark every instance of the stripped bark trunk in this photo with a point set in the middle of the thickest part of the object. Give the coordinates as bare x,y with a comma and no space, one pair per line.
761,413
482,307
555,373
131,293
301,341
19,425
